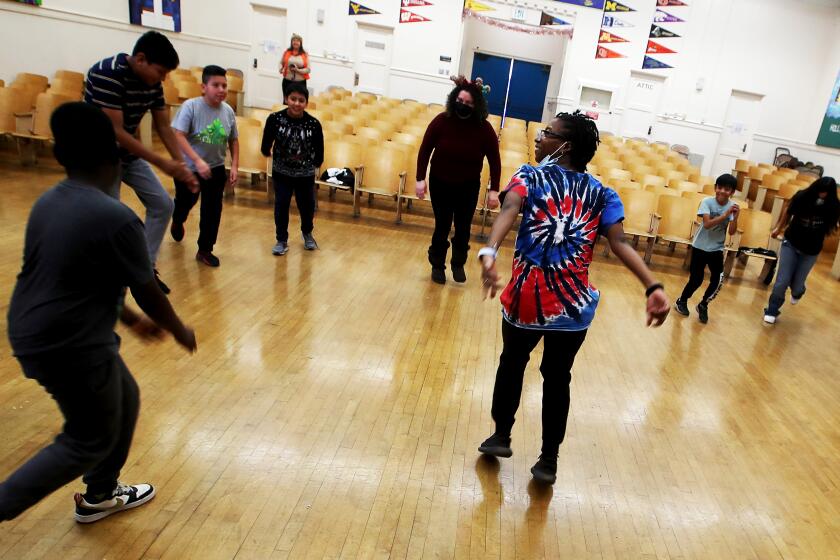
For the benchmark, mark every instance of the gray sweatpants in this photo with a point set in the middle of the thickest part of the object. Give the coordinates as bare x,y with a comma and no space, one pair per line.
138,175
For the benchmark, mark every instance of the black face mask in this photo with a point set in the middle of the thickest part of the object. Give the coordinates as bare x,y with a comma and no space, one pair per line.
463,110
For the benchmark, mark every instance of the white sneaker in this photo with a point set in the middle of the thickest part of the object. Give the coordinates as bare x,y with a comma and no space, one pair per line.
770,319
123,497
794,300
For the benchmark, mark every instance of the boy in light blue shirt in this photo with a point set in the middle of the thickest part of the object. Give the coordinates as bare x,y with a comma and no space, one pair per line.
707,248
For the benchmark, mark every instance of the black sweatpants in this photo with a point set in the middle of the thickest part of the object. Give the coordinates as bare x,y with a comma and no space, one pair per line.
212,191
100,404
452,201
303,189
559,351
697,270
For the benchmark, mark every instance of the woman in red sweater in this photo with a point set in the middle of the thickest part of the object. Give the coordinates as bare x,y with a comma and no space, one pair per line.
461,138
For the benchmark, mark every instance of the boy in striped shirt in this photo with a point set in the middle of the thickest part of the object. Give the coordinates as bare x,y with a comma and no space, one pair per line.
125,87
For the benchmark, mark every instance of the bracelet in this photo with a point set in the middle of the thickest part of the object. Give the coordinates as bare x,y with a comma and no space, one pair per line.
488,251
653,288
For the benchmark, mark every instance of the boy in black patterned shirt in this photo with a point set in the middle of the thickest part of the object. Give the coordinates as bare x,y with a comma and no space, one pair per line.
298,143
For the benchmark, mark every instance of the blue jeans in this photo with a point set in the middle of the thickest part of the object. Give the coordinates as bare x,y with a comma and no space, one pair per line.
794,266
138,175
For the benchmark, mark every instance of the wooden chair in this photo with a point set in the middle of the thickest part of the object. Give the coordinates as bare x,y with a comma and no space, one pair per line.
70,75
383,173
340,154
754,229
336,130
709,190
33,79
406,139
766,192
366,97
686,186
27,92
677,219
371,137
38,132
388,129
695,197
640,218
652,181
756,174
251,160
11,103
741,170
187,90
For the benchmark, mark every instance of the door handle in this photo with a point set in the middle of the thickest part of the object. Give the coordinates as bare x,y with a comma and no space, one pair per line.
745,149
255,63
650,129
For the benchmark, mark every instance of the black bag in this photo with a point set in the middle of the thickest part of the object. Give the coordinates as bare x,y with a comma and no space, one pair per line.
341,177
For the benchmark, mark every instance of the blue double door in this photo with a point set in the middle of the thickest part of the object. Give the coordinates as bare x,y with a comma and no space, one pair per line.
517,87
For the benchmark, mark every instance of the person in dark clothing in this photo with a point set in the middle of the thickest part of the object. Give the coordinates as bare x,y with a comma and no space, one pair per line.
298,144
812,214
82,249
461,138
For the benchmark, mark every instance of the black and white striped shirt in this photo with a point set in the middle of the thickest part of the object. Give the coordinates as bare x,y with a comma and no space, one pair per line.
111,84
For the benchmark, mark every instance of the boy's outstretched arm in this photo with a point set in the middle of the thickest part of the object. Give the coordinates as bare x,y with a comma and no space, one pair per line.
657,302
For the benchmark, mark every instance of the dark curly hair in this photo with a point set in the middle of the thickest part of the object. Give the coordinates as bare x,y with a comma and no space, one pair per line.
583,135
479,112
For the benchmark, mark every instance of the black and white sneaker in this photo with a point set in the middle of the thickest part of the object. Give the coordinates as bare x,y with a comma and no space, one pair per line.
703,312
123,497
681,307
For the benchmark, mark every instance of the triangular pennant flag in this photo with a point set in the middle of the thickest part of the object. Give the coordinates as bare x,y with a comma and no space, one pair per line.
411,17
664,17
661,33
607,37
670,3
613,6
548,19
652,63
411,3
357,9
656,48
612,21
604,52
597,4
478,7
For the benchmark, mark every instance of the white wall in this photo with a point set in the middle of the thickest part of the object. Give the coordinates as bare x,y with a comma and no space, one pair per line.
782,49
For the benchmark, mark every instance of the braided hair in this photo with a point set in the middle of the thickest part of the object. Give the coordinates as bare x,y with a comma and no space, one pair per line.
583,135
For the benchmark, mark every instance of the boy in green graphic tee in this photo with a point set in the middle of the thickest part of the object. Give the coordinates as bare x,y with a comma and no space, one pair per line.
205,128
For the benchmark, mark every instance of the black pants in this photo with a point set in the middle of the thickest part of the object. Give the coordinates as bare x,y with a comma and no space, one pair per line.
699,261
287,83
303,189
212,191
559,350
100,405
452,201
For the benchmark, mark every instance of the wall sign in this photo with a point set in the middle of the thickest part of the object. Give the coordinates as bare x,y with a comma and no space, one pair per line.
829,134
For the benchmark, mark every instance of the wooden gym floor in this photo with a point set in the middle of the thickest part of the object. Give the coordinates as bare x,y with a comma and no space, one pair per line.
337,399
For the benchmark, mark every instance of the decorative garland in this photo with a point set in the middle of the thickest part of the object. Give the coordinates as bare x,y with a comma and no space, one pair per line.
529,29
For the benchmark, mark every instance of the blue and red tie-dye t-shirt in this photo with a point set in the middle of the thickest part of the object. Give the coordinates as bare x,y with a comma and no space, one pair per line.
563,212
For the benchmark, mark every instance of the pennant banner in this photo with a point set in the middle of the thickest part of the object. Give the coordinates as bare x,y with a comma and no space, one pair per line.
412,3
656,48
612,21
661,33
612,6
548,19
477,7
521,28
607,37
665,17
829,134
597,4
604,52
411,17
670,3
357,9
653,64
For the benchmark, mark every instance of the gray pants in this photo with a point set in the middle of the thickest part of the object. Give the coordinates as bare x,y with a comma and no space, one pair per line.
100,403
138,175
794,266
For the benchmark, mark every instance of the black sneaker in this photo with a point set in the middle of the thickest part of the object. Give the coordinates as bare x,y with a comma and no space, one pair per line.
163,287
177,231
681,307
703,312
496,445
438,275
123,497
458,274
207,258
545,470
